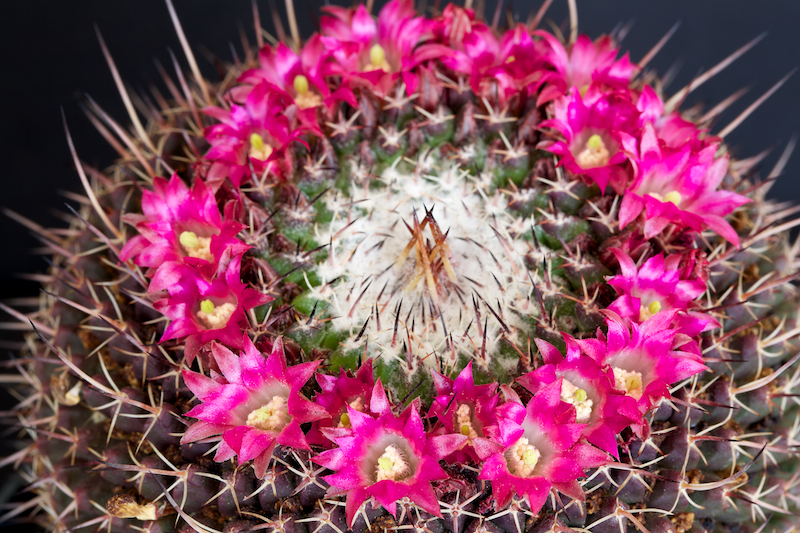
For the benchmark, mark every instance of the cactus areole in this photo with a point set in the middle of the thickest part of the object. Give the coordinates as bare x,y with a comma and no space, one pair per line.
415,273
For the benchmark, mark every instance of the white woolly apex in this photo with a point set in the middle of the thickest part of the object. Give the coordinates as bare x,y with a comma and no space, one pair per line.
392,465
522,458
383,282
577,397
629,382
215,316
274,416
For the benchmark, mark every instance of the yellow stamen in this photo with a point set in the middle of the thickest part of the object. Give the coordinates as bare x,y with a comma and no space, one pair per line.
579,399
258,148
595,154
580,395
384,463
377,55
207,306
256,142
273,416
646,311
188,239
630,382
674,197
301,84
195,246
464,421
654,307
583,90
215,316
392,465
344,420
522,458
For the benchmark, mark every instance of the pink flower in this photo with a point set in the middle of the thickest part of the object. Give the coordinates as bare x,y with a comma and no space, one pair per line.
464,409
672,130
599,133
587,387
475,47
658,286
337,394
178,227
587,62
647,358
377,54
205,311
680,187
299,77
254,405
497,68
541,450
387,458
254,134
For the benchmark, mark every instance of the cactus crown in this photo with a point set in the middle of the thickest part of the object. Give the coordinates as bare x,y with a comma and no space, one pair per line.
416,273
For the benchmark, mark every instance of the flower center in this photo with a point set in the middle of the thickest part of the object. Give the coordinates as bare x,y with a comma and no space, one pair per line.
646,312
271,417
629,382
215,316
392,465
595,154
464,421
194,246
672,196
258,148
522,458
356,405
413,282
377,59
577,397
305,98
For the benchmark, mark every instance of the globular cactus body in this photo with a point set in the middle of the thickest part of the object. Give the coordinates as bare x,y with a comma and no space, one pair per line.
417,274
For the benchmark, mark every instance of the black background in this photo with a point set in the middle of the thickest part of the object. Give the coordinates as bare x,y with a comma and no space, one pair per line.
51,59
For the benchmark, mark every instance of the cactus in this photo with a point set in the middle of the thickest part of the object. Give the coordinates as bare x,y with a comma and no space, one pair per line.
415,273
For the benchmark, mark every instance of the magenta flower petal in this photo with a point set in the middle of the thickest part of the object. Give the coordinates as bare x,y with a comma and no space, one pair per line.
589,389
254,404
660,286
464,409
206,311
596,130
646,358
386,459
680,186
538,451
181,227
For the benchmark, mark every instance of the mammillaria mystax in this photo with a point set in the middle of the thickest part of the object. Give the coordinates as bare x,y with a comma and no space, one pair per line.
416,271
